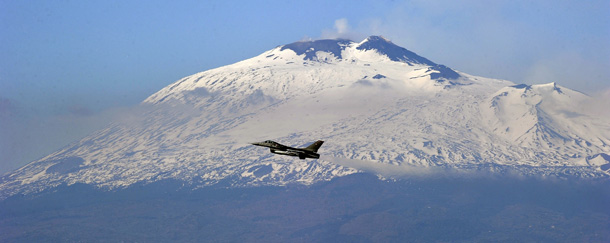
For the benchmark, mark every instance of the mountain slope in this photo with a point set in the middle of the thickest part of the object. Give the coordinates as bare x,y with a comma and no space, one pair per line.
371,101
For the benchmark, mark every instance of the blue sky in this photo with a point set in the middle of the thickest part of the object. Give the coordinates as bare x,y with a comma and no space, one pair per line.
66,66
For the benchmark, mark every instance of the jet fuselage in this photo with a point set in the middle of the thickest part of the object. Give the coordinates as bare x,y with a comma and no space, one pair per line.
303,153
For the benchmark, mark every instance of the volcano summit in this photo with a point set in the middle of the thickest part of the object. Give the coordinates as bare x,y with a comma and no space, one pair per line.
372,101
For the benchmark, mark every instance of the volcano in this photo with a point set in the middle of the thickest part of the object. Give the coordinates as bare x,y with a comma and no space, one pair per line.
371,101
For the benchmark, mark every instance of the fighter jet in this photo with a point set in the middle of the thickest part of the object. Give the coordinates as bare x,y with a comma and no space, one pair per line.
303,153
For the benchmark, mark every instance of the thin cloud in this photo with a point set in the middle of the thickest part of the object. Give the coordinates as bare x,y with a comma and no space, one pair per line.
520,41
598,105
389,170
28,134
570,69
79,110
342,30
405,171
341,26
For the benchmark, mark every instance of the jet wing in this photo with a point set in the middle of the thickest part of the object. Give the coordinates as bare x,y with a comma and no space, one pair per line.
302,153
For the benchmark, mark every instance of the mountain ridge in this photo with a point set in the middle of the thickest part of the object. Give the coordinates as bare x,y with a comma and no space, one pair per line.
366,104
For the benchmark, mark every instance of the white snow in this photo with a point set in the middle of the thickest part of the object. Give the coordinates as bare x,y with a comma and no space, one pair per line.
198,129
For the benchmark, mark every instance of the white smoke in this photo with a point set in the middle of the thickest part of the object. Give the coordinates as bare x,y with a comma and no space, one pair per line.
341,26
343,30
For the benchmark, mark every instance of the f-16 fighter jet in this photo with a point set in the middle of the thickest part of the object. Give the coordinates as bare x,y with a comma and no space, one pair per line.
303,153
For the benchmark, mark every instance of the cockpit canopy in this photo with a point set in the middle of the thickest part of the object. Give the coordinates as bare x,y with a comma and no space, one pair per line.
270,142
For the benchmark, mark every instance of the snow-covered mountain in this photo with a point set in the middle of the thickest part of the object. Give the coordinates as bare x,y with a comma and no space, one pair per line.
372,101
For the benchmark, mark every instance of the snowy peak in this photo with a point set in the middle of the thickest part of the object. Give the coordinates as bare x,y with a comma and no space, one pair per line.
279,72
550,95
375,103
392,51
310,48
347,50
544,115
539,89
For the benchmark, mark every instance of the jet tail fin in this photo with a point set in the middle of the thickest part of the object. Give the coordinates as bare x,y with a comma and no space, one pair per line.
315,146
